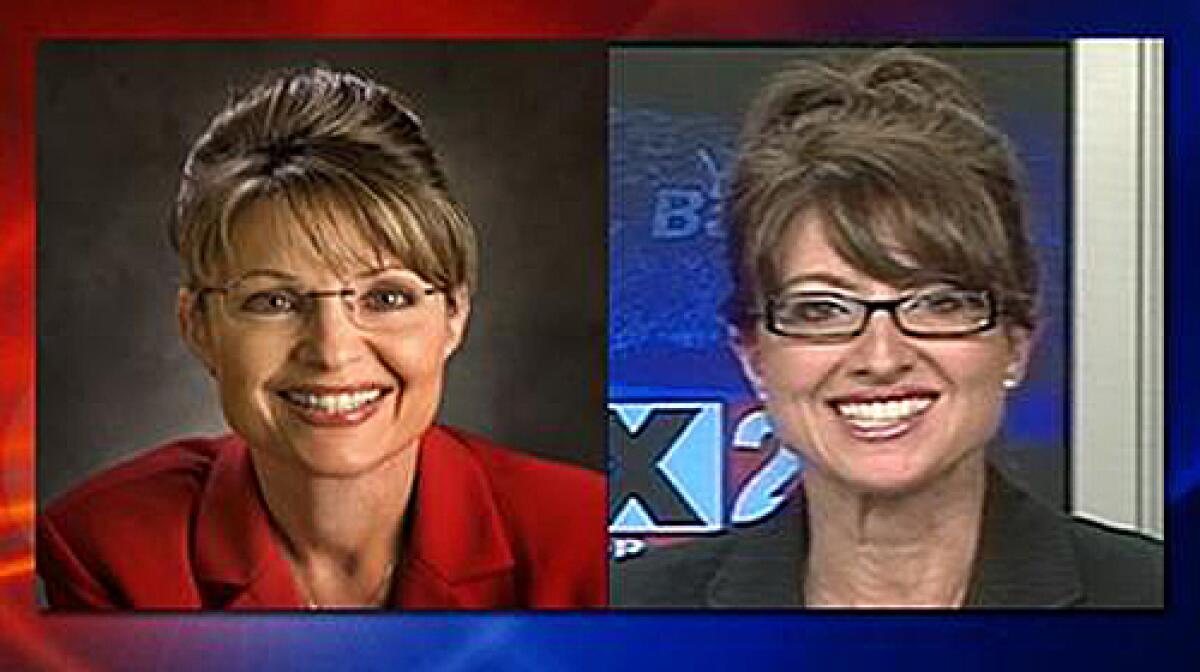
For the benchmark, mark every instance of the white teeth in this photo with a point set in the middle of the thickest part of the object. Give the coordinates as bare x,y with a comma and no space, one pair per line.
879,413
334,403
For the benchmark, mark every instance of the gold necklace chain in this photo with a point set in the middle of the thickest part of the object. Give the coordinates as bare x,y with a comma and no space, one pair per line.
376,595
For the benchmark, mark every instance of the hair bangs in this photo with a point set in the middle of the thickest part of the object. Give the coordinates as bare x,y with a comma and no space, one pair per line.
903,230
339,219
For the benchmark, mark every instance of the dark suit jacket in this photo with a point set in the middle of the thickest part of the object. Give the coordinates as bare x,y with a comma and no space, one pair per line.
185,527
1030,556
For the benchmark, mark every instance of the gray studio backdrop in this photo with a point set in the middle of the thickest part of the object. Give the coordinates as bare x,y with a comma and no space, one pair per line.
521,130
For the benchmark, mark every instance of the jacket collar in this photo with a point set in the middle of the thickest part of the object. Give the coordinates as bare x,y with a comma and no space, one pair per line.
1026,558
761,569
456,552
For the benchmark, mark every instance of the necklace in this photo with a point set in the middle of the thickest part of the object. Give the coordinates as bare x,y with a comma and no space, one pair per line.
376,596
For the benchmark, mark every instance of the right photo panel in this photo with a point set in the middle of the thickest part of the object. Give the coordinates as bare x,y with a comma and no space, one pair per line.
843,304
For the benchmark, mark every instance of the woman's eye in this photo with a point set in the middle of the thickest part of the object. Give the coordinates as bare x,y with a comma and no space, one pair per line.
270,302
816,311
387,299
942,303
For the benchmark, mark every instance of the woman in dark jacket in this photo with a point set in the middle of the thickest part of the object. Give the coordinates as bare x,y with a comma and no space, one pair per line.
884,307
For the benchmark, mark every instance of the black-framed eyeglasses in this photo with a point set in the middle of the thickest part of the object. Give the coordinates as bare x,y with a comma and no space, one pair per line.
938,312
384,301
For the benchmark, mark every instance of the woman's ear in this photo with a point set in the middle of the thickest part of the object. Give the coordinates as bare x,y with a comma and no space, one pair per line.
458,310
194,328
1020,341
746,346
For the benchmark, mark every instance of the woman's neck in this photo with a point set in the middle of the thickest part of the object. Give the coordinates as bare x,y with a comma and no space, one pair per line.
915,549
341,535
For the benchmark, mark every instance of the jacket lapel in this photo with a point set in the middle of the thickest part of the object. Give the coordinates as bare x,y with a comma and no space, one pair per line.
237,563
457,554
761,570
1026,558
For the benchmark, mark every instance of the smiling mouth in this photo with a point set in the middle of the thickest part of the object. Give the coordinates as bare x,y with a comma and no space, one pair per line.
883,417
334,406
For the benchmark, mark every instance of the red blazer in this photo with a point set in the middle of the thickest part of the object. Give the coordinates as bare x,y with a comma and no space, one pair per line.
184,527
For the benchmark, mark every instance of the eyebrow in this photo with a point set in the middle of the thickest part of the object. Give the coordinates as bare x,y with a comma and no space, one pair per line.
384,269
914,283
283,275
822,277
266,273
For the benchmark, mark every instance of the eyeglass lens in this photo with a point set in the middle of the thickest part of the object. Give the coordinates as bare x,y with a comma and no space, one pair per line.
382,301
936,312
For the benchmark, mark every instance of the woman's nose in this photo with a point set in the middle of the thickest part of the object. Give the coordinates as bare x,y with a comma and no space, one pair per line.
882,352
329,338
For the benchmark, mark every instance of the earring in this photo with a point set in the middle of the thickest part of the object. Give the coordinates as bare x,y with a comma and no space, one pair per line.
1012,376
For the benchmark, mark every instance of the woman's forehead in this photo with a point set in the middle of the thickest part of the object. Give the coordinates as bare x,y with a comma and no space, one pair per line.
272,234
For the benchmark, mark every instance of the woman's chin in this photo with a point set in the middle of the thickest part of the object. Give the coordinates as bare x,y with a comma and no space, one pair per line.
337,466
884,474
327,458
897,473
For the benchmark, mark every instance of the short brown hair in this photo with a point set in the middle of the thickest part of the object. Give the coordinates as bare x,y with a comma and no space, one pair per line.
895,155
333,149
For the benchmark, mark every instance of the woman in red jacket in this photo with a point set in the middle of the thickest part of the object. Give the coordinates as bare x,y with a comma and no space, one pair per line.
327,277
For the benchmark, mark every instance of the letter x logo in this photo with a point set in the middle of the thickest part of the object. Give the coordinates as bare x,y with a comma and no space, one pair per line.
666,467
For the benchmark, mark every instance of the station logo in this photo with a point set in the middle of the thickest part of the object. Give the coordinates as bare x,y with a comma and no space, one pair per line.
674,470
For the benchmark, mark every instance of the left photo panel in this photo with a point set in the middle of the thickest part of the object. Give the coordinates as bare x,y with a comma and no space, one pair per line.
321,325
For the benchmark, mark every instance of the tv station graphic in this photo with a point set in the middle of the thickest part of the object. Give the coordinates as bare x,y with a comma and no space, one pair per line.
691,452
672,473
